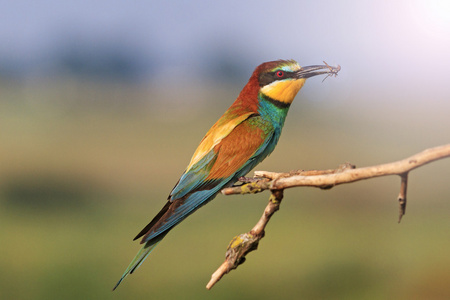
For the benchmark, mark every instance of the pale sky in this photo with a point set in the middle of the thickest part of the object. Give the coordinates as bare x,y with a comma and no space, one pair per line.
389,43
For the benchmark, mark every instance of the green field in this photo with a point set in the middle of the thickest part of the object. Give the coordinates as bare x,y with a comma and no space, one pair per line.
84,167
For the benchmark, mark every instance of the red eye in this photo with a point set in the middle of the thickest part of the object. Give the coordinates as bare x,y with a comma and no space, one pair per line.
280,74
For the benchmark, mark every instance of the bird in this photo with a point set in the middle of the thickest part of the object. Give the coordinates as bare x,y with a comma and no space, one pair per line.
242,137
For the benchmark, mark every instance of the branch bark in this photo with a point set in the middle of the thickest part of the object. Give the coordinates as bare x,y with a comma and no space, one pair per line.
324,179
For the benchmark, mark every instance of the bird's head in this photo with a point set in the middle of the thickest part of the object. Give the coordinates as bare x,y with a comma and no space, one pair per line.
282,79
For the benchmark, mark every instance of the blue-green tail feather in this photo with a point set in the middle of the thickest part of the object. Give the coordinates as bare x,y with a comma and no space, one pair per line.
138,259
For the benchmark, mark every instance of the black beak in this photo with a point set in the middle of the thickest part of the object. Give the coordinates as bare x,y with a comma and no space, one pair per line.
310,71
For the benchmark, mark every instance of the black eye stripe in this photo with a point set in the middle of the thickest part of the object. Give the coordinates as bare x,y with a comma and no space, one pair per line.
269,77
285,74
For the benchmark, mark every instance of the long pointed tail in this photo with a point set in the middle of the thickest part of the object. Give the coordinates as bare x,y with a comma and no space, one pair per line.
138,260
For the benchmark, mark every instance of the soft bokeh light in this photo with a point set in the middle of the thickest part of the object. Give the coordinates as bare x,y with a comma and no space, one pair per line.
433,17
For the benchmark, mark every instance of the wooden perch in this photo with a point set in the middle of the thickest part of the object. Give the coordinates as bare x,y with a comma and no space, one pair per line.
325,179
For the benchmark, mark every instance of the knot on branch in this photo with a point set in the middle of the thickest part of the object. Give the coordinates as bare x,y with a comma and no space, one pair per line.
235,255
239,247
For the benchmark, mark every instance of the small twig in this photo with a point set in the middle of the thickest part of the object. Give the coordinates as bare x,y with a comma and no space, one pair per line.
402,196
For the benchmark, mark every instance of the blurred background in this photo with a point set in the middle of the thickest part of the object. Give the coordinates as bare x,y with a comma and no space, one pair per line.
102,104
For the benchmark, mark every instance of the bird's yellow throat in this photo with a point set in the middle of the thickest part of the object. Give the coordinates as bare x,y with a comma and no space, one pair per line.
283,91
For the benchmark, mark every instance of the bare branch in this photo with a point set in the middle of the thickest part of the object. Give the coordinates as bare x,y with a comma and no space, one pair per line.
330,178
324,179
242,244
236,251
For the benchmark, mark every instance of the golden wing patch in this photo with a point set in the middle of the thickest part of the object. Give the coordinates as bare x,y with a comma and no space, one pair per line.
217,132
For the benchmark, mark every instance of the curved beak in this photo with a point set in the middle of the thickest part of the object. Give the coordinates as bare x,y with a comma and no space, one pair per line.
310,71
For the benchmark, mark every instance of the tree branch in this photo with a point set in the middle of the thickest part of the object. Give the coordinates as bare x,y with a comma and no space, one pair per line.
324,179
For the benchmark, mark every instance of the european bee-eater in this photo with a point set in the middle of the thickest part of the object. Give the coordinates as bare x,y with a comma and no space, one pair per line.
246,133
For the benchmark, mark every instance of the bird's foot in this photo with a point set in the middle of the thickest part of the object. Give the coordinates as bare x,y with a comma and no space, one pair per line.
248,179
